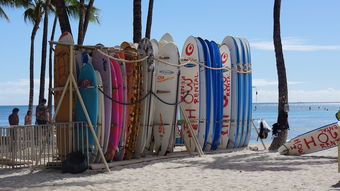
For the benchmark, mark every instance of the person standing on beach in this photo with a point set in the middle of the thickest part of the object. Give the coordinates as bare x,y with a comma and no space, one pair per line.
41,113
28,118
13,119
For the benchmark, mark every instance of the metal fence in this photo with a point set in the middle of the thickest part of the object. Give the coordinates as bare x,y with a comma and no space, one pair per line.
38,145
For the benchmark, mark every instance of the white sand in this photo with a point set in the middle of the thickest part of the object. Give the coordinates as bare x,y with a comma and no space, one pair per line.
237,170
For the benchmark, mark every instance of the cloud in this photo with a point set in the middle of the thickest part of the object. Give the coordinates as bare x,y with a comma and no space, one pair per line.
17,92
263,82
293,44
323,95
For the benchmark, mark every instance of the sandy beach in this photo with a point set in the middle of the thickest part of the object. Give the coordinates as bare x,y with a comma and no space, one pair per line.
241,169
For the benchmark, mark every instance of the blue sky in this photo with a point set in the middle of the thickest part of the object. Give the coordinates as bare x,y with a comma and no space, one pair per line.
309,30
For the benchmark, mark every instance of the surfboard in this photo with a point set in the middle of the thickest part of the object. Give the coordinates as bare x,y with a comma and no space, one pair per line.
120,152
189,85
165,116
167,37
61,73
209,98
87,77
244,93
134,82
149,145
116,119
202,95
101,116
315,140
102,64
226,62
218,93
145,49
235,59
250,90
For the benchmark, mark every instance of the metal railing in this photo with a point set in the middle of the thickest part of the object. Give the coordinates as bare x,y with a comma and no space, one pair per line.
38,145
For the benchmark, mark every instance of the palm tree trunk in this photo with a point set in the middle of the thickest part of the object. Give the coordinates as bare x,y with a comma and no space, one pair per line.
149,20
31,73
44,52
282,118
63,17
81,23
87,18
49,104
137,21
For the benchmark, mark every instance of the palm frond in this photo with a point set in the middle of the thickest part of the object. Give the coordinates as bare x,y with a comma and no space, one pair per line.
3,14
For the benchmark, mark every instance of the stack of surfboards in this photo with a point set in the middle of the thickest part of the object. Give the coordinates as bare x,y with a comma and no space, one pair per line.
220,92
133,105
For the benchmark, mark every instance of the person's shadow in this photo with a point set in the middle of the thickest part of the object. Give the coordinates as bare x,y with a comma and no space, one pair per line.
337,185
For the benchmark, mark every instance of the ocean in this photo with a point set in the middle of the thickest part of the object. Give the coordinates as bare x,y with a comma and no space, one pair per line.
303,117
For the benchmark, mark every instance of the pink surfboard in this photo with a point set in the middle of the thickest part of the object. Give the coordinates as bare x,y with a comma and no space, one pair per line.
117,109
120,152
116,118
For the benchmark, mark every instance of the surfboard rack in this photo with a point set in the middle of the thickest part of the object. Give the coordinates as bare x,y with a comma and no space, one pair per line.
72,85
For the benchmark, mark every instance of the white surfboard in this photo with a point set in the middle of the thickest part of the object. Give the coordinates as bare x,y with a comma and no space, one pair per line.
202,96
101,116
229,41
316,140
166,82
167,37
145,48
226,61
189,81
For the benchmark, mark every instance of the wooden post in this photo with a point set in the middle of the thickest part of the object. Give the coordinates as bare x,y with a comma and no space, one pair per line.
191,130
69,130
61,98
264,146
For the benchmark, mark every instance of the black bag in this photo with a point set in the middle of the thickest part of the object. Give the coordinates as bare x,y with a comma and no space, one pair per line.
264,130
75,163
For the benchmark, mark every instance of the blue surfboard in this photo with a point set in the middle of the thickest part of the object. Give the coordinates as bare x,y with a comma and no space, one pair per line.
209,97
245,95
218,91
249,78
87,77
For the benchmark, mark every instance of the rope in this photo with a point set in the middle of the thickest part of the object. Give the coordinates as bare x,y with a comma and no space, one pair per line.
123,60
192,61
144,97
131,103
167,103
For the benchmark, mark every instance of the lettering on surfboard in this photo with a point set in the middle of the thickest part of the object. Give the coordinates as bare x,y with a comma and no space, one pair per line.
323,138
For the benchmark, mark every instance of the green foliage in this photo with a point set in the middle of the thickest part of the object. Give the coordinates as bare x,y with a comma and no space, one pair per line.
11,4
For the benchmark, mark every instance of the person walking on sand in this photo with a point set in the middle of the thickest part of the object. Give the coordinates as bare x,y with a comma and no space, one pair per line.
28,118
13,119
41,113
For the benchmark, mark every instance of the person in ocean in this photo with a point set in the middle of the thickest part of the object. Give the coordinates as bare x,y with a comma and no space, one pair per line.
28,118
41,113
13,118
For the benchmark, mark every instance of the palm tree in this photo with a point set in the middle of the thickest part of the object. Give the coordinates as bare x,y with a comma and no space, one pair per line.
49,103
137,21
44,51
64,22
149,20
33,14
282,119
10,3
